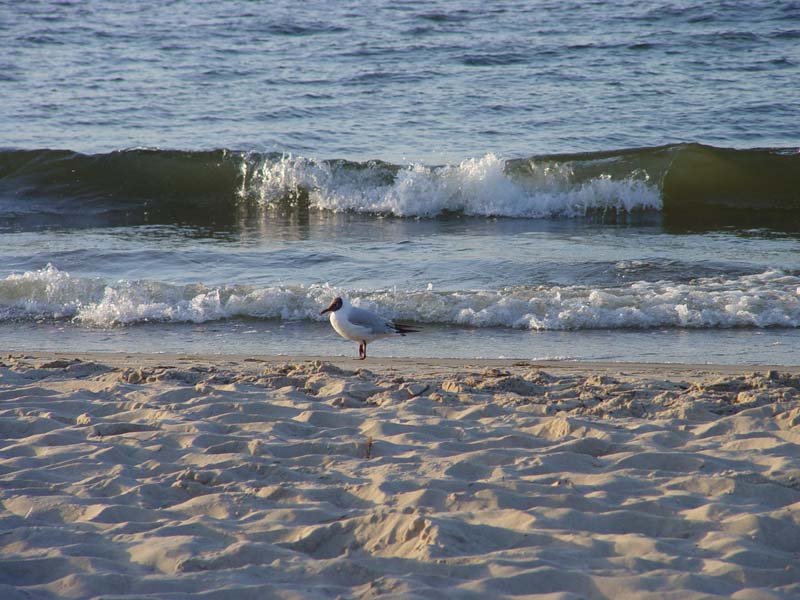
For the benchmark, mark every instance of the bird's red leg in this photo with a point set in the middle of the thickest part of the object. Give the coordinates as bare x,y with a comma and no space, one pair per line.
362,350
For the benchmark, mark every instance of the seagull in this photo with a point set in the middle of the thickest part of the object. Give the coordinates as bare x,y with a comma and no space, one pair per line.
361,325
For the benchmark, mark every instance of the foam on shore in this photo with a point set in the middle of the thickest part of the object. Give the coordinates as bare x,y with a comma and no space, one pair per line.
767,299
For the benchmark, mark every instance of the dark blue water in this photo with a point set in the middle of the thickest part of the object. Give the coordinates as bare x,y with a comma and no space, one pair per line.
546,179
413,81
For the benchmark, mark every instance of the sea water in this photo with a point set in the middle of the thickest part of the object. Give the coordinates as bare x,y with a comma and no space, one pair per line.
616,181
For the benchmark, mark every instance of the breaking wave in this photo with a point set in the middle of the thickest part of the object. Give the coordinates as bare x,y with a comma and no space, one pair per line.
682,182
768,299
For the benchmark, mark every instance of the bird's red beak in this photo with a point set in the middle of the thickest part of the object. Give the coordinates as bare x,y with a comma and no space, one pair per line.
326,310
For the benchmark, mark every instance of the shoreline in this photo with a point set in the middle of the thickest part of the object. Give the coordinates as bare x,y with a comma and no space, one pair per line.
424,365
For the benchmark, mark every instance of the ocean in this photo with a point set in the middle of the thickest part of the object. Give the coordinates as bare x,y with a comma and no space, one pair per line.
599,180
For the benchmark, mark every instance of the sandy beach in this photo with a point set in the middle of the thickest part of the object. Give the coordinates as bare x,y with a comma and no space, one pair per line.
156,476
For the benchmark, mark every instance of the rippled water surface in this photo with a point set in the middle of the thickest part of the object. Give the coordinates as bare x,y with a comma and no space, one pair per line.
418,81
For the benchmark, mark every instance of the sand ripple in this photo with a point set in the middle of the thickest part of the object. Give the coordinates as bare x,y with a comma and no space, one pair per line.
309,480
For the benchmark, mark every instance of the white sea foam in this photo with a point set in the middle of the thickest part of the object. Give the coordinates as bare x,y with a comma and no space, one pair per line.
768,299
477,186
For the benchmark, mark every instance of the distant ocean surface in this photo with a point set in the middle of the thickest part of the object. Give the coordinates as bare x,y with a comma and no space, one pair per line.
535,180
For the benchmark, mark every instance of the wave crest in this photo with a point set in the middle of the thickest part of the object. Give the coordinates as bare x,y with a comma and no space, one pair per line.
475,187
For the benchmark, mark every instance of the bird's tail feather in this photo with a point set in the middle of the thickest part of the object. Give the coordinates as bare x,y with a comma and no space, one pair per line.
404,329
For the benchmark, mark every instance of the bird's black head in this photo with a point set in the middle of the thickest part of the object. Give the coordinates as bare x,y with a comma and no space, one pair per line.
335,305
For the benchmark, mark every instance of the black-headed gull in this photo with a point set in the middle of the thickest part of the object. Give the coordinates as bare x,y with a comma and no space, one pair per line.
361,325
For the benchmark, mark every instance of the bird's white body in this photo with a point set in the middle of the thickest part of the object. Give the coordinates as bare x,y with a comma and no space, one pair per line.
361,325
